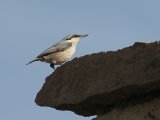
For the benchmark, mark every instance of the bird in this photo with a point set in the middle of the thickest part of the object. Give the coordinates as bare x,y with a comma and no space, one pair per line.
60,52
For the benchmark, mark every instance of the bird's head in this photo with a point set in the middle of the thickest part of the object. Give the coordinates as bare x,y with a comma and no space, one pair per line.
74,37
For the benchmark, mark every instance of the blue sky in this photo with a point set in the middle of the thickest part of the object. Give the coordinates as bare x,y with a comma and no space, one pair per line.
27,27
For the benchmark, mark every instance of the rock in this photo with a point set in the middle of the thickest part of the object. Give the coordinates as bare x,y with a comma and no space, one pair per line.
98,83
146,111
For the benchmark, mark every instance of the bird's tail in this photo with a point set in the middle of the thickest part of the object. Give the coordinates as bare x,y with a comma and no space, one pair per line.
35,59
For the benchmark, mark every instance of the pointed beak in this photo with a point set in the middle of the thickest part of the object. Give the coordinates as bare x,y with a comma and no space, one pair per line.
82,36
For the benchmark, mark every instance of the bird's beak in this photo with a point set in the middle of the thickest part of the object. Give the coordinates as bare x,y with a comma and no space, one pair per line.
82,36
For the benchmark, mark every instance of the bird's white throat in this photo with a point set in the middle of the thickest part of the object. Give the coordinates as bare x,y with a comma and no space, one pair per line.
74,41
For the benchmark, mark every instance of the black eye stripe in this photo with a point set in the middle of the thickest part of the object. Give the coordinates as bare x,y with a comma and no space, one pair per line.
73,36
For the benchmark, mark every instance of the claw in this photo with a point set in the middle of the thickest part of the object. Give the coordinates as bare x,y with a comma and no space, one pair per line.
52,66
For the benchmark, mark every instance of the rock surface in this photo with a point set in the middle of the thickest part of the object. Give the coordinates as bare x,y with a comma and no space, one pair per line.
146,111
98,83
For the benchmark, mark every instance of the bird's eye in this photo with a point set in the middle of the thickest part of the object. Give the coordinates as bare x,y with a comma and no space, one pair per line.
75,36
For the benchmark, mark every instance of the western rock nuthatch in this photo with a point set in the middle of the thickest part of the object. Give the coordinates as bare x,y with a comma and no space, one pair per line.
60,52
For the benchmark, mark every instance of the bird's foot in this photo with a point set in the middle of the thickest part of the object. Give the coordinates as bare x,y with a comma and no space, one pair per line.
52,66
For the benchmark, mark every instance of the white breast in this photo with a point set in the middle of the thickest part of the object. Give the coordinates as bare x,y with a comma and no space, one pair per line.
60,57
63,56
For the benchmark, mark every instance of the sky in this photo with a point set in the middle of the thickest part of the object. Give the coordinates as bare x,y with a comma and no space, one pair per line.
27,27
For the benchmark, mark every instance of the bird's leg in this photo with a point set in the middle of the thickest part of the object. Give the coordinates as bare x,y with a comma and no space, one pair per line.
52,66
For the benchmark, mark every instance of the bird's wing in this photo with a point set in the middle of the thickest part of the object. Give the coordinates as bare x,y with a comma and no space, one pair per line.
60,46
